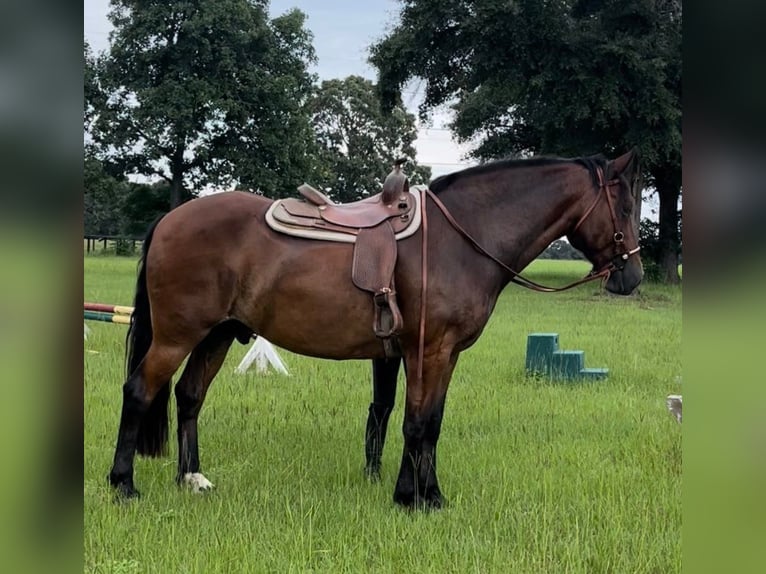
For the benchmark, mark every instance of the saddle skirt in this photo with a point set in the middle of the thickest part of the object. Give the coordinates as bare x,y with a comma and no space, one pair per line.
343,222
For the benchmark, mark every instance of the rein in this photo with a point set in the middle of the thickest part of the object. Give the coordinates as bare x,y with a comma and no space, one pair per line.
603,273
517,277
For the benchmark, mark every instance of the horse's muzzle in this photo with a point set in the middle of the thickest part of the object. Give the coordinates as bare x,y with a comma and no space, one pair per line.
624,281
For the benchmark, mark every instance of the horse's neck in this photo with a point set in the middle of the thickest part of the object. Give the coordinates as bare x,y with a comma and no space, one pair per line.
515,220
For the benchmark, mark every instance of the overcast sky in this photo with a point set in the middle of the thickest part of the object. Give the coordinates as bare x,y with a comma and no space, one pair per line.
343,30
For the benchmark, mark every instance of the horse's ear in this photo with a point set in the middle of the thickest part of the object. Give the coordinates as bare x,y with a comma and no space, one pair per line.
624,165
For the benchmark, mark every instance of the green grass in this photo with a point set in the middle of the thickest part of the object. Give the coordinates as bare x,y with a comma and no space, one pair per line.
540,476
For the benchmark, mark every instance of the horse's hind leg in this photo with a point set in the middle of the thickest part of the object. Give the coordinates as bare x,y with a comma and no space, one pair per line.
203,365
138,393
384,375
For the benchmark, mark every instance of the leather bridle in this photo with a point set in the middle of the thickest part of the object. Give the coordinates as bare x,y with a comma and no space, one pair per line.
617,263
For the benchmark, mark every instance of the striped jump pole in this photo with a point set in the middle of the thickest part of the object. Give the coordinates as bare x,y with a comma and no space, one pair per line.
107,317
108,313
115,309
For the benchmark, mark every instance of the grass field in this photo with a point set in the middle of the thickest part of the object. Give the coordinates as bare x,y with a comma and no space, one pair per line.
540,476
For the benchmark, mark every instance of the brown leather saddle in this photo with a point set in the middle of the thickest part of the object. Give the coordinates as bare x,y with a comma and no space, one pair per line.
318,217
373,224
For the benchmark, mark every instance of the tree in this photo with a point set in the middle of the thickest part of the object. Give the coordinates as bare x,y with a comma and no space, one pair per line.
572,77
91,90
102,200
649,237
143,204
199,93
358,143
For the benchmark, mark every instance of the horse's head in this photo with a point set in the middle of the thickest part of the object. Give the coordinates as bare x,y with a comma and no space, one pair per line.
606,232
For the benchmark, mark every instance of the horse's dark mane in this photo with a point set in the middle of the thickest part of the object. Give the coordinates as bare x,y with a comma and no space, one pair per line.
590,163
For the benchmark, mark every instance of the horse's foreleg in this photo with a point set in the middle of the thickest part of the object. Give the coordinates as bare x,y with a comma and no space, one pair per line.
417,483
384,375
203,364
138,393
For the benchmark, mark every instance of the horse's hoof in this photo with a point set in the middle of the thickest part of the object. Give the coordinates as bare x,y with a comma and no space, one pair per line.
434,500
127,492
372,474
431,500
406,500
124,489
197,482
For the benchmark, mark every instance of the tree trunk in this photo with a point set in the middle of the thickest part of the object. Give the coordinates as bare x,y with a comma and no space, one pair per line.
668,189
176,191
177,182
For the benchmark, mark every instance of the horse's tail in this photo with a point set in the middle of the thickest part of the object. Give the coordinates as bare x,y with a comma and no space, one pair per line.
153,429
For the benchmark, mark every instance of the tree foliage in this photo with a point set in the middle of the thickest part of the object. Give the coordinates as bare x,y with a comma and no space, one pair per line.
571,77
649,237
143,204
357,142
561,249
117,207
202,93
103,198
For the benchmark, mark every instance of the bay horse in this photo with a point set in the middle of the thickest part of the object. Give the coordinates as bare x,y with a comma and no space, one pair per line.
212,271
